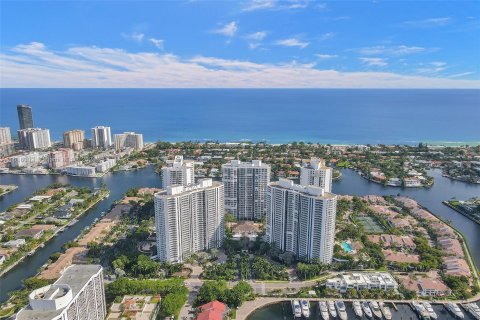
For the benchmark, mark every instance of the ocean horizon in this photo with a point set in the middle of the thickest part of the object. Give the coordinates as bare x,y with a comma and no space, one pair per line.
327,116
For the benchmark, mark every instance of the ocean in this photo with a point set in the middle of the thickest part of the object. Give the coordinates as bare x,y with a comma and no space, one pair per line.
336,116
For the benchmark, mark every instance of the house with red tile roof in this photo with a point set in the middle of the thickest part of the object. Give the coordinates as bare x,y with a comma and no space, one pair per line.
214,310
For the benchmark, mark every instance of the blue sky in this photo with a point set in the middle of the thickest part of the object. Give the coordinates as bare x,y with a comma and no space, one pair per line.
259,43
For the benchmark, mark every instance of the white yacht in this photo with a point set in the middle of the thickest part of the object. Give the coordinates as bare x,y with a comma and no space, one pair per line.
420,310
474,309
341,310
366,310
375,309
322,305
455,310
305,308
357,308
429,308
331,309
385,310
297,310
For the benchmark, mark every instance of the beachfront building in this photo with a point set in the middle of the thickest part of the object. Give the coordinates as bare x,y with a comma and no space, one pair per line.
105,165
34,138
74,139
189,219
27,160
85,171
78,294
7,147
25,118
363,281
301,220
101,137
246,188
61,158
178,173
129,140
316,173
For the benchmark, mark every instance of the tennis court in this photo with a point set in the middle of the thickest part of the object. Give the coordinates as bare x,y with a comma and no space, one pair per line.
370,225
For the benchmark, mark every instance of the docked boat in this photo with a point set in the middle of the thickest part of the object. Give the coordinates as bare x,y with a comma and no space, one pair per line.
420,310
366,310
341,310
322,305
429,308
357,308
375,309
331,309
473,309
385,311
305,308
297,310
455,310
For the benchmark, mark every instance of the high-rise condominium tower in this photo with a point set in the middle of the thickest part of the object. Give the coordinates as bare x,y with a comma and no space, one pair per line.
316,173
101,137
25,119
128,140
301,220
178,173
189,219
78,294
245,188
34,138
74,139
7,146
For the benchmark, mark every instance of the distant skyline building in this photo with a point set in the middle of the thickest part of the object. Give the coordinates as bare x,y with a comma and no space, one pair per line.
101,137
128,140
316,173
34,138
25,118
7,147
245,188
78,294
301,220
189,219
178,173
74,139
60,158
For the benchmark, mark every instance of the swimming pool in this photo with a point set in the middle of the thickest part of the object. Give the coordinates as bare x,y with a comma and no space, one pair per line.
346,247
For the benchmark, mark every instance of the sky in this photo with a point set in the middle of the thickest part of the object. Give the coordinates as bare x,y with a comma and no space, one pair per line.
240,44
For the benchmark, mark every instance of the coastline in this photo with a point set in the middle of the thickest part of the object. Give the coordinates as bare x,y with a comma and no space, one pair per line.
461,212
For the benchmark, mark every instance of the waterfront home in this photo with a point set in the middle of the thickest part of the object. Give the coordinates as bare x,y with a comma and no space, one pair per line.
424,214
383,210
17,243
29,233
374,199
443,230
3,258
214,310
407,202
425,286
456,267
451,246
412,182
362,280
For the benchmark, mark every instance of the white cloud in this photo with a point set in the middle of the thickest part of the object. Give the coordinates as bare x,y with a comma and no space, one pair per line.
157,42
134,36
255,5
326,56
460,75
327,36
257,36
322,6
259,5
430,22
393,50
292,42
433,67
374,62
228,29
35,65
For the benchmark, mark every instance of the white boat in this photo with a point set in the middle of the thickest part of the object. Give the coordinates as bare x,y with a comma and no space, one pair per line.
385,310
322,305
341,310
305,308
430,310
331,309
357,308
420,310
474,309
375,309
297,310
366,310
455,310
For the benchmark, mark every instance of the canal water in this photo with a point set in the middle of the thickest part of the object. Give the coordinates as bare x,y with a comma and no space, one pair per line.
118,183
283,311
